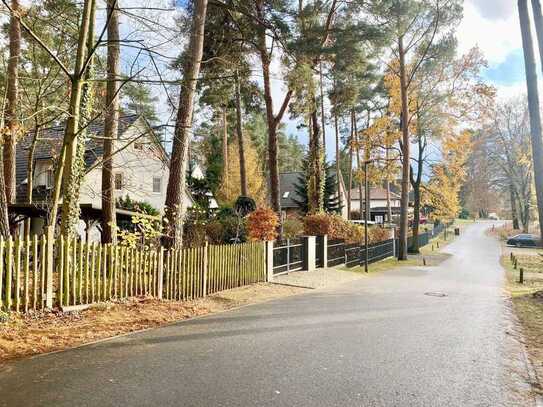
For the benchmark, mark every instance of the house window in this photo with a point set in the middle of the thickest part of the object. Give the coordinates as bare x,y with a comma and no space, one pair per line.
49,178
44,174
157,184
286,194
118,181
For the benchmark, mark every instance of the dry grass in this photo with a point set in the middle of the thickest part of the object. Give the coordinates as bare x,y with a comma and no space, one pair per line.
25,335
528,305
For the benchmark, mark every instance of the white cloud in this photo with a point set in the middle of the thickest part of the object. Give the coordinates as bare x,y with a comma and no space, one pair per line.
495,9
496,37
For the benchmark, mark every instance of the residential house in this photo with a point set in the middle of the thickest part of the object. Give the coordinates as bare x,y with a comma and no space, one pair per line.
378,204
378,199
288,182
140,165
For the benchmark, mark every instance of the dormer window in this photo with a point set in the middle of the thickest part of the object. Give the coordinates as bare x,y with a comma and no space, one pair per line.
286,194
44,174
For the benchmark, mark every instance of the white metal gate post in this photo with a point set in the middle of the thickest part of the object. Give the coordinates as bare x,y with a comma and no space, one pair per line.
269,260
310,261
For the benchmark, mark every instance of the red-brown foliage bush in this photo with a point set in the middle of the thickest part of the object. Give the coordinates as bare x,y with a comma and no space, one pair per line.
262,224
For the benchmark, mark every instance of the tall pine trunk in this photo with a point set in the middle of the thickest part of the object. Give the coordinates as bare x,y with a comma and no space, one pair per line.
225,174
404,200
111,125
359,166
174,210
241,144
533,95
323,117
270,118
389,206
12,93
416,183
350,182
338,166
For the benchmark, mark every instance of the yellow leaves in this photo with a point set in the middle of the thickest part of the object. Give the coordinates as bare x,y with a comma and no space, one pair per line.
230,188
449,175
146,230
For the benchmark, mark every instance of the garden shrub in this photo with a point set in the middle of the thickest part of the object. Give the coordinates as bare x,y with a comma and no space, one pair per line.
234,229
354,234
338,228
378,234
318,224
262,225
292,228
215,232
332,225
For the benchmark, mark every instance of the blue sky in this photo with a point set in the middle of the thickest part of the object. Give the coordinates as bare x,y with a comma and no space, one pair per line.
508,72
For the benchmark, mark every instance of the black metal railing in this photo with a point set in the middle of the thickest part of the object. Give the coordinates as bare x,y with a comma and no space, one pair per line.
352,254
377,251
288,255
335,252
320,247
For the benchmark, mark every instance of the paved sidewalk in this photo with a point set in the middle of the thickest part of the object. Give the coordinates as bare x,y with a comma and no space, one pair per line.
320,278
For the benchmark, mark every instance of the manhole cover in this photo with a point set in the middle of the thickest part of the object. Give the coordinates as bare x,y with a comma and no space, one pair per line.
435,294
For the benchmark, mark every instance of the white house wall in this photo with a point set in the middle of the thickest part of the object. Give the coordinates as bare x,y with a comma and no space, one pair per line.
375,203
138,169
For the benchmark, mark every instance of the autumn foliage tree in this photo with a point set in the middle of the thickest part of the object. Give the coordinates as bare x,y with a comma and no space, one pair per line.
230,190
443,189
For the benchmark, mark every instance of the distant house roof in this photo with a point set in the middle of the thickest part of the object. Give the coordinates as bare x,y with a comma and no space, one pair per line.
49,145
287,184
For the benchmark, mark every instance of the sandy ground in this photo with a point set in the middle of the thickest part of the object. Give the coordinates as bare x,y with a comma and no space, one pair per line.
25,335
320,278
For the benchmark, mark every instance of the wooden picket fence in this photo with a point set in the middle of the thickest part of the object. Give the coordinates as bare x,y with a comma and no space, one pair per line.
22,274
86,273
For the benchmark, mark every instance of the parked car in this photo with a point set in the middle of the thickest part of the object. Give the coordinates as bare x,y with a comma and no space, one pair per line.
523,240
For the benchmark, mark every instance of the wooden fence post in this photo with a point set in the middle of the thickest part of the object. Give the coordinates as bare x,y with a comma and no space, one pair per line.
49,253
160,274
205,266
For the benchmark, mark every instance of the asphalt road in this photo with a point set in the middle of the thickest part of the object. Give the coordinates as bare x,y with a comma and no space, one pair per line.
379,341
